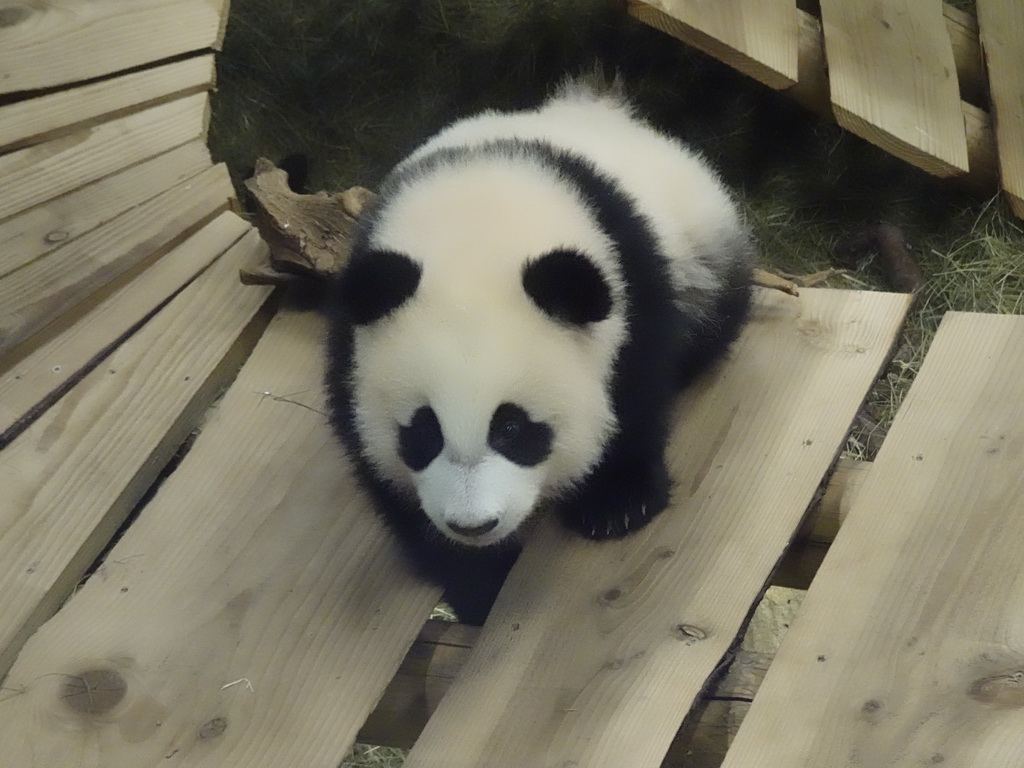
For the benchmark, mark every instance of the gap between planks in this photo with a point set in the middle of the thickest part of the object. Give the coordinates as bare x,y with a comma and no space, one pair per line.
31,379
44,228
41,291
46,117
64,41
42,172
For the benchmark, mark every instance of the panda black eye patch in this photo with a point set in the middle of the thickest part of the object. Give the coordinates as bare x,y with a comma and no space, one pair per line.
517,438
421,441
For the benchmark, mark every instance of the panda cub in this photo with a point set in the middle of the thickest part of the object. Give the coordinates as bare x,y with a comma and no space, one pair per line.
522,303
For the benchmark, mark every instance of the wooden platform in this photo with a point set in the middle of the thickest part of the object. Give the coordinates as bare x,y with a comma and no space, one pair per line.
918,78
189,575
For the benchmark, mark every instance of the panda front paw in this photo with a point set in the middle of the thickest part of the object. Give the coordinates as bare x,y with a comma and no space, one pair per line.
611,506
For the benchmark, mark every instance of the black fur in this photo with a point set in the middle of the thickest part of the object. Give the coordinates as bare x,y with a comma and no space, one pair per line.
374,284
420,441
519,439
664,348
568,286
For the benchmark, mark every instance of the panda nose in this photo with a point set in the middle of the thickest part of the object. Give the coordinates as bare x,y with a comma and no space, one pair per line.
475,530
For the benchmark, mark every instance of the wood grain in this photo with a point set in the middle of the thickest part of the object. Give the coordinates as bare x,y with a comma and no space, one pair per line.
36,174
73,476
45,228
40,292
65,41
1002,36
595,652
756,37
34,120
31,381
255,610
893,80
909,648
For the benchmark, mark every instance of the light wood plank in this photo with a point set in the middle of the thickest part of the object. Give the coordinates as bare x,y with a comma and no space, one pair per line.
40,292
757,37
893,80
256,609
29,383
65,41
45,228
1002,37
72,477
595,652
37,174
909,648
34,120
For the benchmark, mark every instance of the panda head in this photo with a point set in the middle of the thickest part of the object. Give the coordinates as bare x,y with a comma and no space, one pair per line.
487,312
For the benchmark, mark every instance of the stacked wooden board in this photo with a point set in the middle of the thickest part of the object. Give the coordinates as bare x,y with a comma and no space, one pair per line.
918,78
120,314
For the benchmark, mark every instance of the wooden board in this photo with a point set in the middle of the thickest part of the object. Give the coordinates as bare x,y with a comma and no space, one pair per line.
893,80
30,382
909,648
64,41
757,37
73,476
45,228
1002,36
595,652
255,610
39,173
43,290
32,120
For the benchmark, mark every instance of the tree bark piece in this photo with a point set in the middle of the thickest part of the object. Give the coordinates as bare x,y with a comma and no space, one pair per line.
310,236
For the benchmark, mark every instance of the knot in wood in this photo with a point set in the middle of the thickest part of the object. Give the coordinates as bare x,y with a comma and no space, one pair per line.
12,15
94,691
688,633
1003,691
211,729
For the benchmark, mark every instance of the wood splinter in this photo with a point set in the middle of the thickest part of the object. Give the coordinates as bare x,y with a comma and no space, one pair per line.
310,236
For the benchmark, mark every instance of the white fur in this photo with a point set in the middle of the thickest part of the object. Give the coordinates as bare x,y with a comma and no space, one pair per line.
469,495
472,339
683,199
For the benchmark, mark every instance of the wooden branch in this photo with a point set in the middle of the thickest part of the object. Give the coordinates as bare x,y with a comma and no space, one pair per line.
310,236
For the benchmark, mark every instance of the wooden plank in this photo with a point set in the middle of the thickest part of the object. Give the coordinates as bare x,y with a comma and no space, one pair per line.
1002,37
73,476
40,292
34,120
45,228
29,383
37,174
756,37
909,647
65,41
595,652
255,610
893,79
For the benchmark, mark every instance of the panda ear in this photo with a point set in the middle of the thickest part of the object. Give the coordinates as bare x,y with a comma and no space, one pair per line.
568,286
376,283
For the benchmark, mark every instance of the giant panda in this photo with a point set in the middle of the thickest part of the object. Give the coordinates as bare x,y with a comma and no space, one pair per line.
523,301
